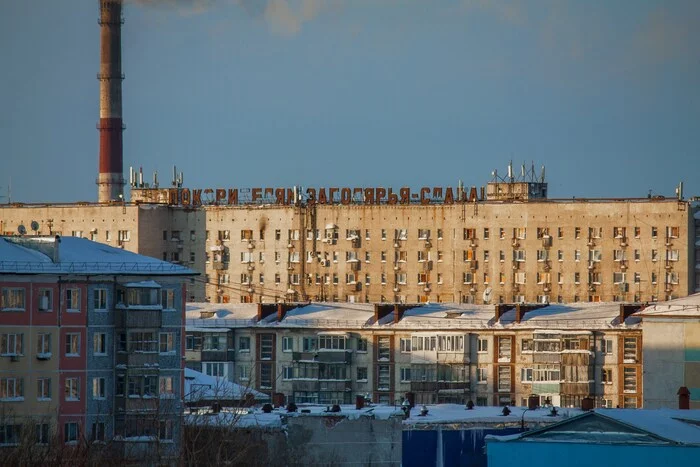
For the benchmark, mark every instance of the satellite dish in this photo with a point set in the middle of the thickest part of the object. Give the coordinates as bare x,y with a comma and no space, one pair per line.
22,229
487,294
35,226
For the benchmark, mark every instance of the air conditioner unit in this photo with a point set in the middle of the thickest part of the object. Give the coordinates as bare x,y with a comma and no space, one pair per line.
591,264
251,245
396,245
428,244
396,289
250,290
250,267
290,245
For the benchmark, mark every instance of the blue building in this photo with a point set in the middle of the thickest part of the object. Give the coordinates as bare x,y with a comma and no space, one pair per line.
604,437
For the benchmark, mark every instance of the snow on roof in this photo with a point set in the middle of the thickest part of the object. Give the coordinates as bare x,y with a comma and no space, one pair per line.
577,315
680,426
199,386
455,413
30,255
687,306
330,315
676,426
434,316
222,314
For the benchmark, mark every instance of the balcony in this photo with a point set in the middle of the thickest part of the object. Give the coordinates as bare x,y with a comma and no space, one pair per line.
218,355
219,265
138,359
337,356
128,318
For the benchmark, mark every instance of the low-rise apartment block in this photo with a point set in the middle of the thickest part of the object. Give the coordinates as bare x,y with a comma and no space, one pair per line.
331,353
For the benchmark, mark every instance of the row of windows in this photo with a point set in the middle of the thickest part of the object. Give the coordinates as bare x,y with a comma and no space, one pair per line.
13,388
14,433
440,343
12,344
14,299
401,256
425,234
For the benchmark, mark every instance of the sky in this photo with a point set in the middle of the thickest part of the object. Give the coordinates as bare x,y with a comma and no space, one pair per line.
358,93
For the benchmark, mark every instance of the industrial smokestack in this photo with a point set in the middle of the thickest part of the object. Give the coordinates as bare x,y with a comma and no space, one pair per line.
110,182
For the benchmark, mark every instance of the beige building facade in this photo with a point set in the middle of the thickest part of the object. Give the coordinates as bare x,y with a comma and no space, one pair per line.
539,250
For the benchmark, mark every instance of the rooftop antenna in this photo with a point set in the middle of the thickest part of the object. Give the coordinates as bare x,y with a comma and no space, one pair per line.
155,179
679,191
542,175
510,171
175,176
35,227
21,229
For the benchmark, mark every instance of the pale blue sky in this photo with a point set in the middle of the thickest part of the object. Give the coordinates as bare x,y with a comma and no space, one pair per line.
249,93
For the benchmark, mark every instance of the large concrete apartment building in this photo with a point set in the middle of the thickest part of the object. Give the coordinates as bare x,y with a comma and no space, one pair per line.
510,245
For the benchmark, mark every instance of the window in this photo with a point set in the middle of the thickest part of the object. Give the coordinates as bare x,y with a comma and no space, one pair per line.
72,389
146,341
504,348
330,342
11,344
482,374
70,432
654,232
526,345
12,299
405,344
100,299
73,300
362,373
486,233
545,372
266,346
45,299
43,388
11,389
98,388
519,233
216,369
97,432
606,346
606,376
287,344
577,232
42,433
383,377
672,232
630,349
165,386
167,342
168,299
405,375
309,344
72,345
243,372
619,277
504,379
501,233
383,348
287,372
526,375
630,379
362,345
99,343
423,234
482,345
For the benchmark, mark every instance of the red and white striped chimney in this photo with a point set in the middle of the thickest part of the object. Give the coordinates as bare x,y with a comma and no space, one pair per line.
110,181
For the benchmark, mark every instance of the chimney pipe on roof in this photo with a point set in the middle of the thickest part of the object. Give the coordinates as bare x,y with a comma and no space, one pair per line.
683,398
